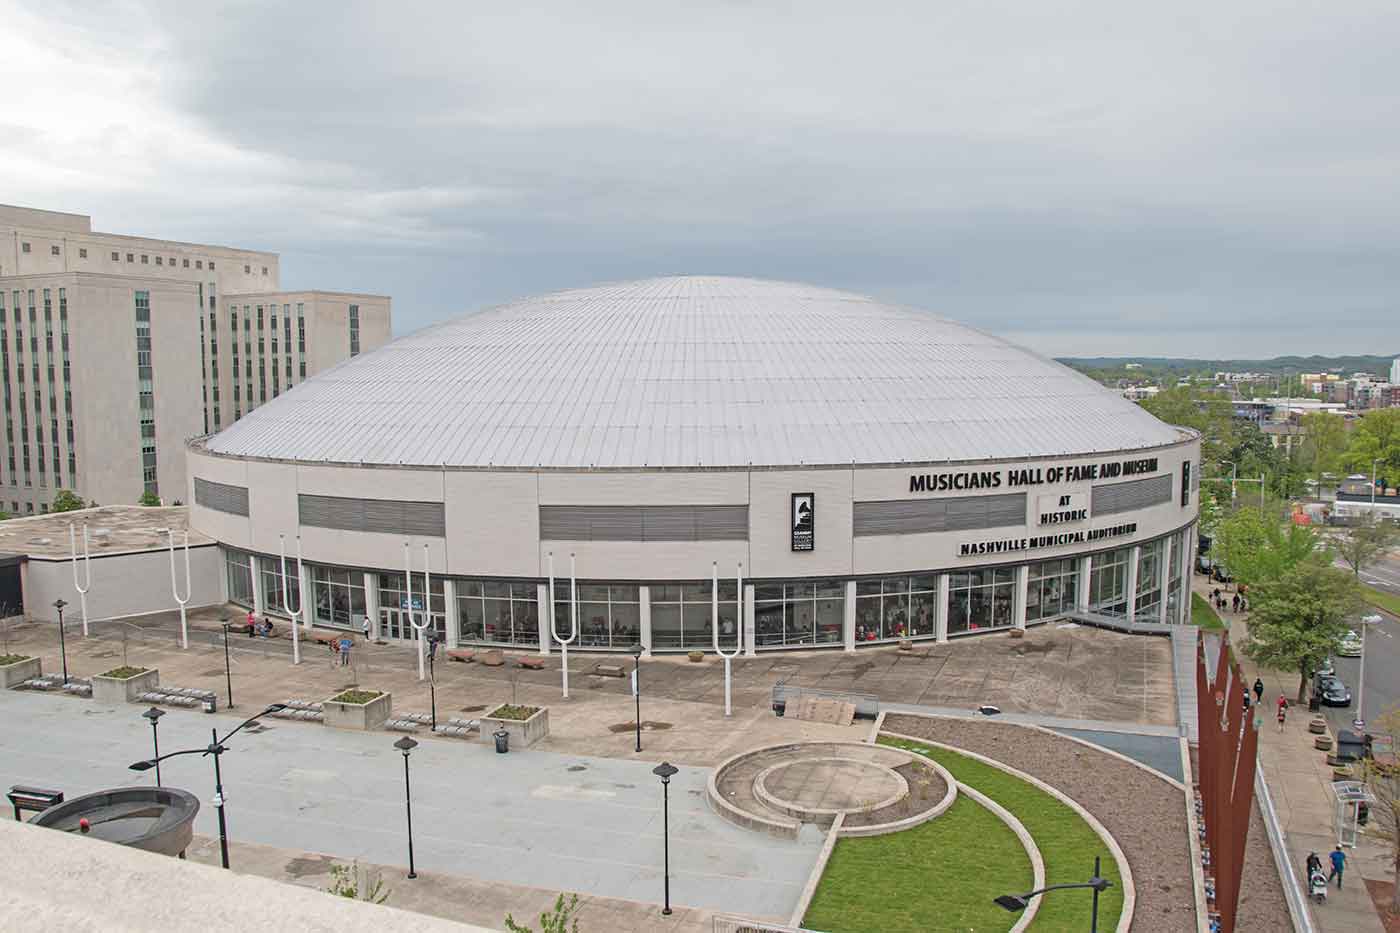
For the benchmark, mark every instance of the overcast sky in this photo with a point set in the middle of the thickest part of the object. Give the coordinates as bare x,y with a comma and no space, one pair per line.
1195,179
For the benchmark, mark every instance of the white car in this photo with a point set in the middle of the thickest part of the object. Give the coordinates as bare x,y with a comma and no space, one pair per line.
1349,646
1372,619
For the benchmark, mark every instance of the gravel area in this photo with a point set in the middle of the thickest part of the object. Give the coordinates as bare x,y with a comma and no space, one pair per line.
1145,814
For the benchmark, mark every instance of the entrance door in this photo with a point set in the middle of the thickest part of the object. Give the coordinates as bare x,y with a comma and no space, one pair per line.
394,624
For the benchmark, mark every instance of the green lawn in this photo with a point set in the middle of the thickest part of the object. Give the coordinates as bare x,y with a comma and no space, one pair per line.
1386,601
1066,842
1203,615
939,876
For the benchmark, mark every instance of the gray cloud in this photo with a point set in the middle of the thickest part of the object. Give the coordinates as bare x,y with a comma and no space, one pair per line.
1085,177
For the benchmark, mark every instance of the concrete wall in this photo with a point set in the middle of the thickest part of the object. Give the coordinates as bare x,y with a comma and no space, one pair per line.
493,525
123,584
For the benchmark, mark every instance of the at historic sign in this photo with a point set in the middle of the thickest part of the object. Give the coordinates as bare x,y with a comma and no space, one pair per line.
802,520
1062,509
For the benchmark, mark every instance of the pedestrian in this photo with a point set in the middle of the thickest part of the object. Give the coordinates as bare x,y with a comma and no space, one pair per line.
1282,711
364,629
345,644
432,645
335,651
252,624
1339,863
1246,699
1235,602
1314,864
1259,690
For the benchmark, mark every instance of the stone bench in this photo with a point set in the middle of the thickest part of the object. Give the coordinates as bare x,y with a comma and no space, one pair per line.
325,638
492,658
532,664
610,670
465,655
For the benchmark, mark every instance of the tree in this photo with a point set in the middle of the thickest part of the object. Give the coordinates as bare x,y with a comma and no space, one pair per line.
1360,545
561,919
1383,780
1257,547
1375,437
148,498
65,500
1324,443
1297,620
357,884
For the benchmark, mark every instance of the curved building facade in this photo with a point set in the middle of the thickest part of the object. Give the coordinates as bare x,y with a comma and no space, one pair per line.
852,472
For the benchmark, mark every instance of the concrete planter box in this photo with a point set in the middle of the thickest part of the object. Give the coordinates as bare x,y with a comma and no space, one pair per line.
363,717
115,690
523,733
12,675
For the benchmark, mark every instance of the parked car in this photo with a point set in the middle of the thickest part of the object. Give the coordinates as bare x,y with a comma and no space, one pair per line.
1350,645
1325,669
1203,564
1372,619
1221,574
1333,692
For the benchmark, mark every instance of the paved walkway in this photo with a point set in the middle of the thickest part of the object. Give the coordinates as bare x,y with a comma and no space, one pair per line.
562,822
1299,780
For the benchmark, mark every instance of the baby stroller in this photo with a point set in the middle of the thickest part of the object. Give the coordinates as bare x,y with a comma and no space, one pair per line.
1317,886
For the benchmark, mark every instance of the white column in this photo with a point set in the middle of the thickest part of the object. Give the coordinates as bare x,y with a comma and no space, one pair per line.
750,638
1164,578
940,627
259,605
542,600
308,594
1188,567
644,611
848,627
371,583
1131,582
1081,588
449,603
1018,598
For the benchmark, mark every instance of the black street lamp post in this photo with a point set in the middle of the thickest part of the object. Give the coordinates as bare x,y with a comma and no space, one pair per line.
228,675
1099,884
153,714
62,644
432,679
637,689
406,745
215,748
666,771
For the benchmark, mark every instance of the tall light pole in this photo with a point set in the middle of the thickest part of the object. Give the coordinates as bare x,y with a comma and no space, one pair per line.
666,771
406,745
1234,478
62,644
175,588
87,570
228,674
1099,884
1359,723
153,716
637,688
215,748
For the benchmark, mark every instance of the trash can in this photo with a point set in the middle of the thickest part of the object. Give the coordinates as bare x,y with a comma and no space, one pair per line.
502,738
210,704
780,707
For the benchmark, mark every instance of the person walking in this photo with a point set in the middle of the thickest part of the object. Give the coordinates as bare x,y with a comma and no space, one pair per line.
364,629
335,651
1235,603
1282,711
252,624
1339,864
1258,690
345,644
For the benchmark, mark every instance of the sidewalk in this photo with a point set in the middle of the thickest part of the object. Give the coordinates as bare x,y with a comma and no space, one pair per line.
1300,780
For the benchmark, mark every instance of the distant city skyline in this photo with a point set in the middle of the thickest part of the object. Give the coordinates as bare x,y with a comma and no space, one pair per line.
1102,180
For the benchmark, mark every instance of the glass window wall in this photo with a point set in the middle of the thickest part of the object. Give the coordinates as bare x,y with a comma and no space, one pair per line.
1108,582
396,616
339,597
609,616
239,568
1174,580
798,613
980,600
1051,589
681,615
896,607
499,612
270,569
1149,582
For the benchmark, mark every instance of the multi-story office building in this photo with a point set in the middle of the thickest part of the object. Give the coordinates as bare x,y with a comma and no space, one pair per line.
118,349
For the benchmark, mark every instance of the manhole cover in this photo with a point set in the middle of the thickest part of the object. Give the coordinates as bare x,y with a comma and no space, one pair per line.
578,767
647,726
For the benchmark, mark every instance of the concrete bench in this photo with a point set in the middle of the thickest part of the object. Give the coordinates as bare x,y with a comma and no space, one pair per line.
325,638
465,655
532,664
492,658
610,670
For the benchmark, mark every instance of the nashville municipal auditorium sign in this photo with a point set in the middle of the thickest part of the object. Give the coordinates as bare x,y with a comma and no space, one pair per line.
1018,477
1034,542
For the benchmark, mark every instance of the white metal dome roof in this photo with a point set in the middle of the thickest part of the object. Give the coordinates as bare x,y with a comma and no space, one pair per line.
693,371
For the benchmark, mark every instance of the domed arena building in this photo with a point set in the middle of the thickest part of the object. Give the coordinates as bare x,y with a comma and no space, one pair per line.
853,472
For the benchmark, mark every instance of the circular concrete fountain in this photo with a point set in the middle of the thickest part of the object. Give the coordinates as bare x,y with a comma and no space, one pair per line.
156,819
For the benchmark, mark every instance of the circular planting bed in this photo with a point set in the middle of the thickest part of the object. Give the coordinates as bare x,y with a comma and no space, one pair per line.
875,789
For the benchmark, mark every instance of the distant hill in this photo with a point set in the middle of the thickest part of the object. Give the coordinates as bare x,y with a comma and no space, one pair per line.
1280,365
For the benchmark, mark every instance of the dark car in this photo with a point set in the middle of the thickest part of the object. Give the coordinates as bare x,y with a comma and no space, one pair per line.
1221,574
1204,564
1333,692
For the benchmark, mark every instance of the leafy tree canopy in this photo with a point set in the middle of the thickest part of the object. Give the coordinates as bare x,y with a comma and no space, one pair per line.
1297,619
148,498
65,500
1257,547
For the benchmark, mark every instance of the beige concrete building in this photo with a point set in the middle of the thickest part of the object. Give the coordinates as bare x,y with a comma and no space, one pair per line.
119,349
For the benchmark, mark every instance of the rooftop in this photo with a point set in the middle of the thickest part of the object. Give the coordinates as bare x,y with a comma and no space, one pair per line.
112,529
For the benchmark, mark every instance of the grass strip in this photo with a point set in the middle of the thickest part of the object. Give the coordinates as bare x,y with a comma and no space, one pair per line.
1203,615
1386,601
1067,843
939,876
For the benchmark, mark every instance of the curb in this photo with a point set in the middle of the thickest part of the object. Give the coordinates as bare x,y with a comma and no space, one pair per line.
1027,843
809,890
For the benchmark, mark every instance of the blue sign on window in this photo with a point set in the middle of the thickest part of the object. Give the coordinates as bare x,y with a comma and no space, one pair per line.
417,603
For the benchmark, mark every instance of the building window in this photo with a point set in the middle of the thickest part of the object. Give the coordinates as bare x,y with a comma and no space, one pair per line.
340,596
499,612
158,261
980,600
53,250
354,330
211,265
1051,588
130,257
145,377
270,569
264,270
681,615
896,607
397,614
116,257
82,252
1108,582
608,616
199,264
798,613
1149,581
301,339
184,263
24,247
246,270
239,568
